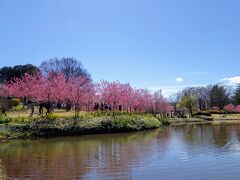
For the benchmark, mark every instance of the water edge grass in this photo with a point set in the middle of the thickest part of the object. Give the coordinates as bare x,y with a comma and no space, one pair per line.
60,125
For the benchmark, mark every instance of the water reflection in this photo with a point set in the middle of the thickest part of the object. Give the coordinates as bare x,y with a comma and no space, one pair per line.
66,158
2,171
167,153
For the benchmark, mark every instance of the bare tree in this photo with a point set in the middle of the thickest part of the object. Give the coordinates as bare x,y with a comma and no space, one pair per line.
175,99
202,94
70,67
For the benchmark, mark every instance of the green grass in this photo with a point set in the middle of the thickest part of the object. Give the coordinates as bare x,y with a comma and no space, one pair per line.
56,124
226,116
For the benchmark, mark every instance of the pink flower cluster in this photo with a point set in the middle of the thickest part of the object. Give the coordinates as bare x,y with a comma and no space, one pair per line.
215,108
232,108
79,91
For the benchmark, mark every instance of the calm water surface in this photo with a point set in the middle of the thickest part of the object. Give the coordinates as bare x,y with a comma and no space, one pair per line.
183,152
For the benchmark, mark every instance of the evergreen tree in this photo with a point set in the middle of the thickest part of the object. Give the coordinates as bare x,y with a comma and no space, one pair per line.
18,71
236,96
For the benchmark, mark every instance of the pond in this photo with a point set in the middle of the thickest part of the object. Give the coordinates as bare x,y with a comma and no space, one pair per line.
181,152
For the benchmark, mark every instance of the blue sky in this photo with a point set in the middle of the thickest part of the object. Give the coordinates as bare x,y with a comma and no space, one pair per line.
148,43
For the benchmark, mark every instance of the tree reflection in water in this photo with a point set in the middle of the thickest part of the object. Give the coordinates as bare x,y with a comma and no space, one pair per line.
66,158
122,156
2,171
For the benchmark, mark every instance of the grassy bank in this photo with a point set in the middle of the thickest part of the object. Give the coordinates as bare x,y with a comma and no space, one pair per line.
185,121
214,119
55,125
18,124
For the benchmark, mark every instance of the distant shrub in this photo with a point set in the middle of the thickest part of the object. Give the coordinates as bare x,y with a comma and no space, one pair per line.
216,111
4,119
238,108
230,108
202,113
215,108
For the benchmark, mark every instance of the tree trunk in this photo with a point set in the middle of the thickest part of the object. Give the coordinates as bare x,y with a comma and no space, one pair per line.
191,112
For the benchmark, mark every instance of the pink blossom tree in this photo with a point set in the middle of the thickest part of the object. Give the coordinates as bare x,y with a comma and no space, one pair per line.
230,108
25,86
51,88
126,96
134,100
165,108
142,100
3,91
79,91
238,108
90,97
215,108
38,88
159,105
111,94
82,94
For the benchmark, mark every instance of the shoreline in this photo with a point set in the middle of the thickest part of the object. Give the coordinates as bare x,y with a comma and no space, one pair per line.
199,121
56,127
47,127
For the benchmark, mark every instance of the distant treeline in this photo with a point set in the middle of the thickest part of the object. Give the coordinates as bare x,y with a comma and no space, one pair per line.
8,73
210,97
193,99
68,66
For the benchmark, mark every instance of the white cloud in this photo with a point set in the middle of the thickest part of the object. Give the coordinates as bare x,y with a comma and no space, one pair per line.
166,90
179,79
232,80
170,90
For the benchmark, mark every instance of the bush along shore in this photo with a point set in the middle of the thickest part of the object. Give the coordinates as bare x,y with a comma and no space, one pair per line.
51,125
